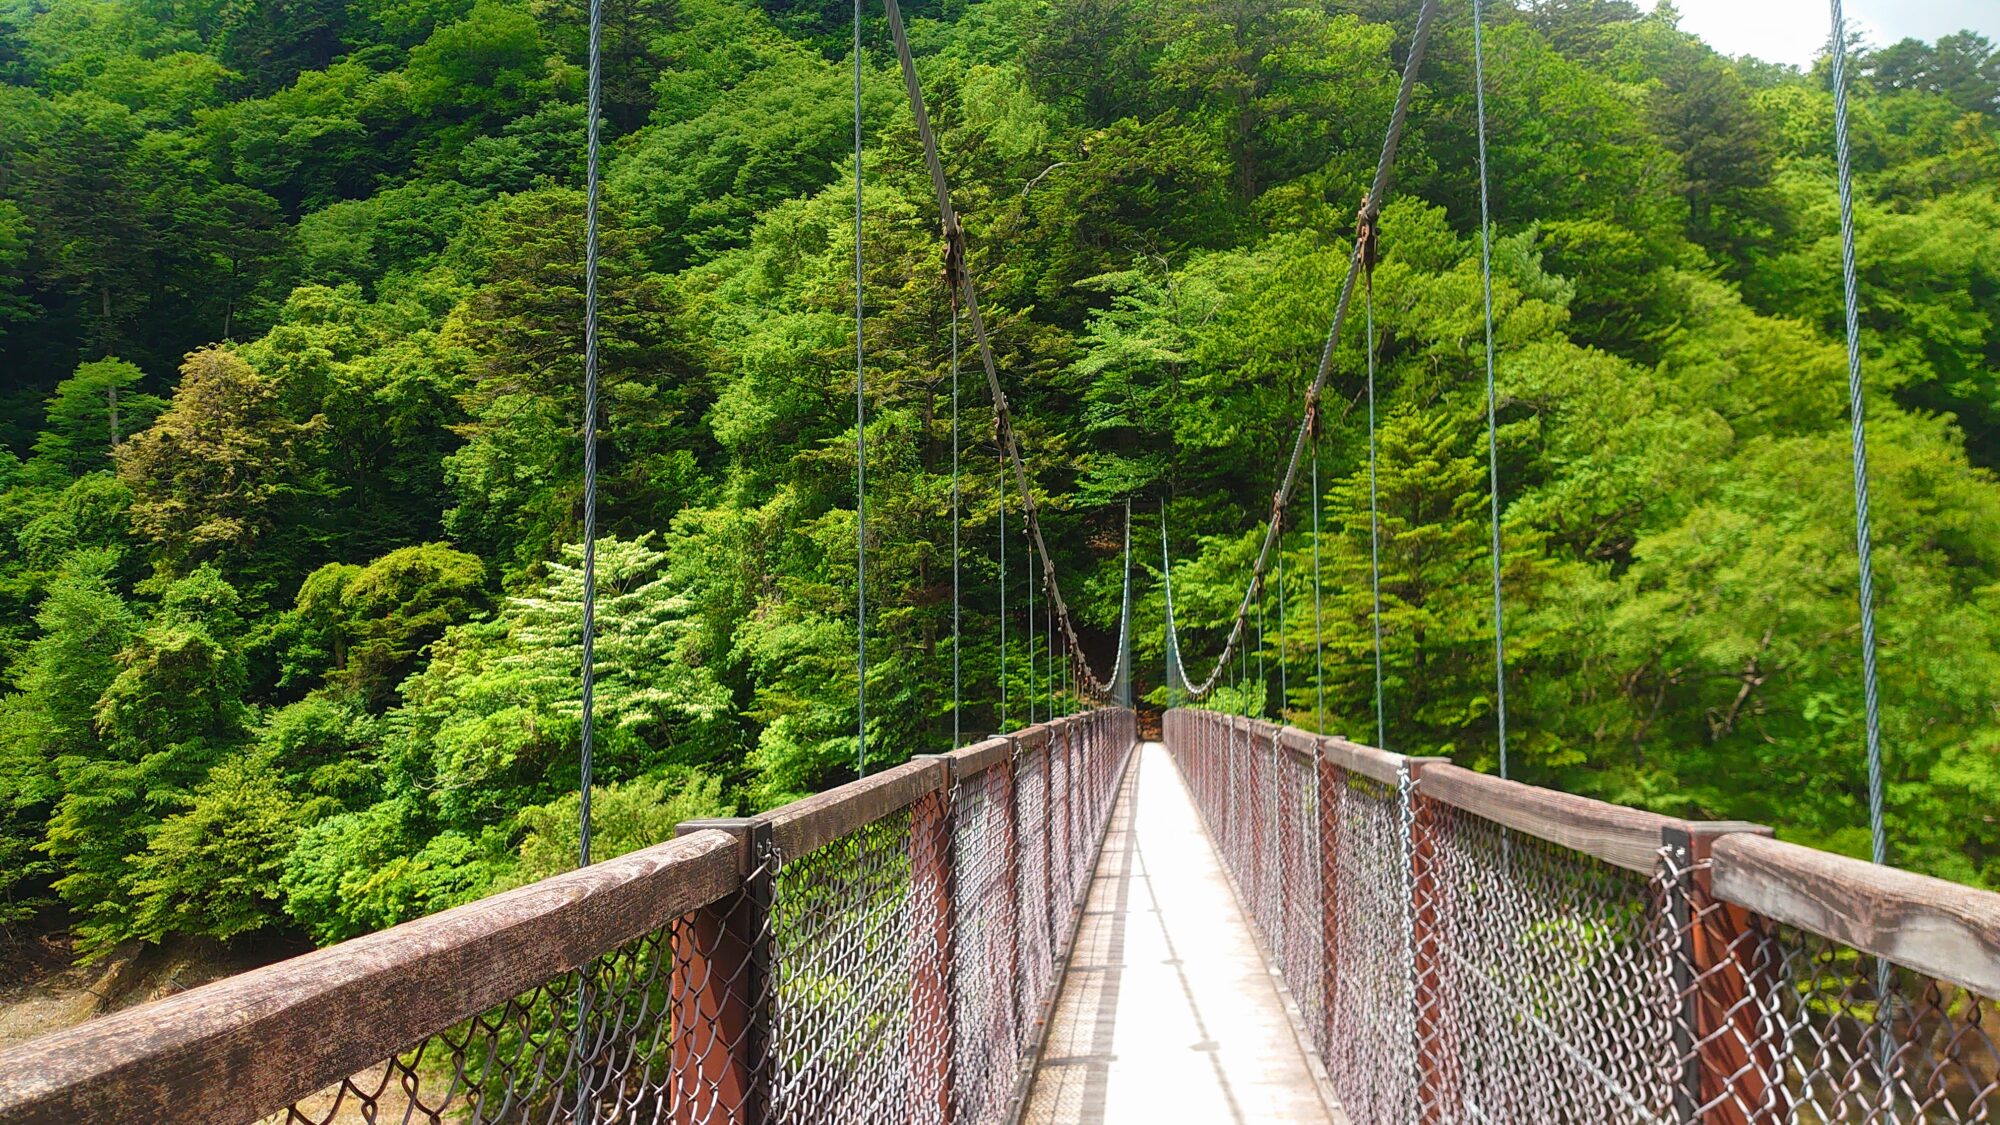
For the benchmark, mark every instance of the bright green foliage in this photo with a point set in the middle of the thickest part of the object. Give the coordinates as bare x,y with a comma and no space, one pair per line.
301,653
356,872
492,723
364,627
213,869
172,710
624,818
91,412
51,719
211,476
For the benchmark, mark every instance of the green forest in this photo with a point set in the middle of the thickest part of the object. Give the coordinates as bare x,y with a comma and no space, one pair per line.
291,468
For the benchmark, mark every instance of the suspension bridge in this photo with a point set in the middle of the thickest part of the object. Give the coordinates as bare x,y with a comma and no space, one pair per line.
1240,920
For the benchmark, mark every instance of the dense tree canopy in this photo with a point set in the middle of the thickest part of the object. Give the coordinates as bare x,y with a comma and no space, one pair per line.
291,475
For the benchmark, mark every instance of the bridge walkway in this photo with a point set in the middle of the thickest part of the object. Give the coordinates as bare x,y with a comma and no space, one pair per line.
1168,1011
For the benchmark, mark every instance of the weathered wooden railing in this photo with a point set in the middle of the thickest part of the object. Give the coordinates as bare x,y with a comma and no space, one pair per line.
1467,949
885,950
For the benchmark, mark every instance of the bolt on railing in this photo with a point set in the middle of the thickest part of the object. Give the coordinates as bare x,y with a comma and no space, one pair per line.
885,950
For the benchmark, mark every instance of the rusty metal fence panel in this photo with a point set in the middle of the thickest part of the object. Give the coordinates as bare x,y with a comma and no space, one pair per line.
643,1053
1529,952
1466,949
1891,1021
884,952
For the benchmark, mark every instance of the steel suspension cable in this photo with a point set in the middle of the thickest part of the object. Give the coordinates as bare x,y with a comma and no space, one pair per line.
1263,684
1319,652
860,445
1371,210
1374,528
1031,634
1003,593
1003,421
1284,685
1492,426
1863,539
586,1107
956,635
592,188
1049,665
1174,677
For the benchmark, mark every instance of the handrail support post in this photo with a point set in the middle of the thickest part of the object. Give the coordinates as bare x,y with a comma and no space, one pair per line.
722,988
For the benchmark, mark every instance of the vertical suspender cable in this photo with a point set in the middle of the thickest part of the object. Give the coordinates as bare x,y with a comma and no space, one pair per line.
860,446
586,1108
1374,524
1263,683
1319,650
1284,684
1878,839
1003,590
590,200
1863,541
955,633
1031,633
1174,674
1385,165
1492,429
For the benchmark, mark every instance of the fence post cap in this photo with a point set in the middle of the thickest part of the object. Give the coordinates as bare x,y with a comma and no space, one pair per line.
748,830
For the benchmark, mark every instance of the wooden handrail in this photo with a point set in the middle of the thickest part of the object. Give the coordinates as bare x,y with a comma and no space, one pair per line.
248,1046
1622,837
1947,930
981,756
806,824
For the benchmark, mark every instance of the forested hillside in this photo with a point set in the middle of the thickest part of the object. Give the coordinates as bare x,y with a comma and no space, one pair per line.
290,322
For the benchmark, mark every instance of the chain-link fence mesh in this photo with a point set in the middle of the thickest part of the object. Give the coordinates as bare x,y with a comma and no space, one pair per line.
1776,1024
897,972
1449,968
1529,952
637,1035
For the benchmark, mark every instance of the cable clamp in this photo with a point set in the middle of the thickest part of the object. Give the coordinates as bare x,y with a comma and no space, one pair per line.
1367,235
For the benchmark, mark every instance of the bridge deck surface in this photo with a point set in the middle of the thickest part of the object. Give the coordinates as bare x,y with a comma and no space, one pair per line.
1168,1011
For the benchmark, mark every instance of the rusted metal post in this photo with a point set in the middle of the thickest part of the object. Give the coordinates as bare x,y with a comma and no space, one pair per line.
1069,791
933,1032
721,1023
1010,861
1729,1067
1332,794
1437,1053
1047,833
1257,809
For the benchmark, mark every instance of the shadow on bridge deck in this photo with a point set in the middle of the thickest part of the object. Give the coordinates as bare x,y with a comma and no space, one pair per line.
1168,1011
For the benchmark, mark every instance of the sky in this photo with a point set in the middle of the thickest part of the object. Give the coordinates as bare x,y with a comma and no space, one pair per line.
1792,31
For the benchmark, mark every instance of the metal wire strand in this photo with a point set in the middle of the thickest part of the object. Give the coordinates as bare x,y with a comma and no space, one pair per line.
860,445
590,204
1031,633
1284,684
1263,682
1385,165
1863,541
1374,528
587,1109
1319,650
956,633
1003,422
1492,429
